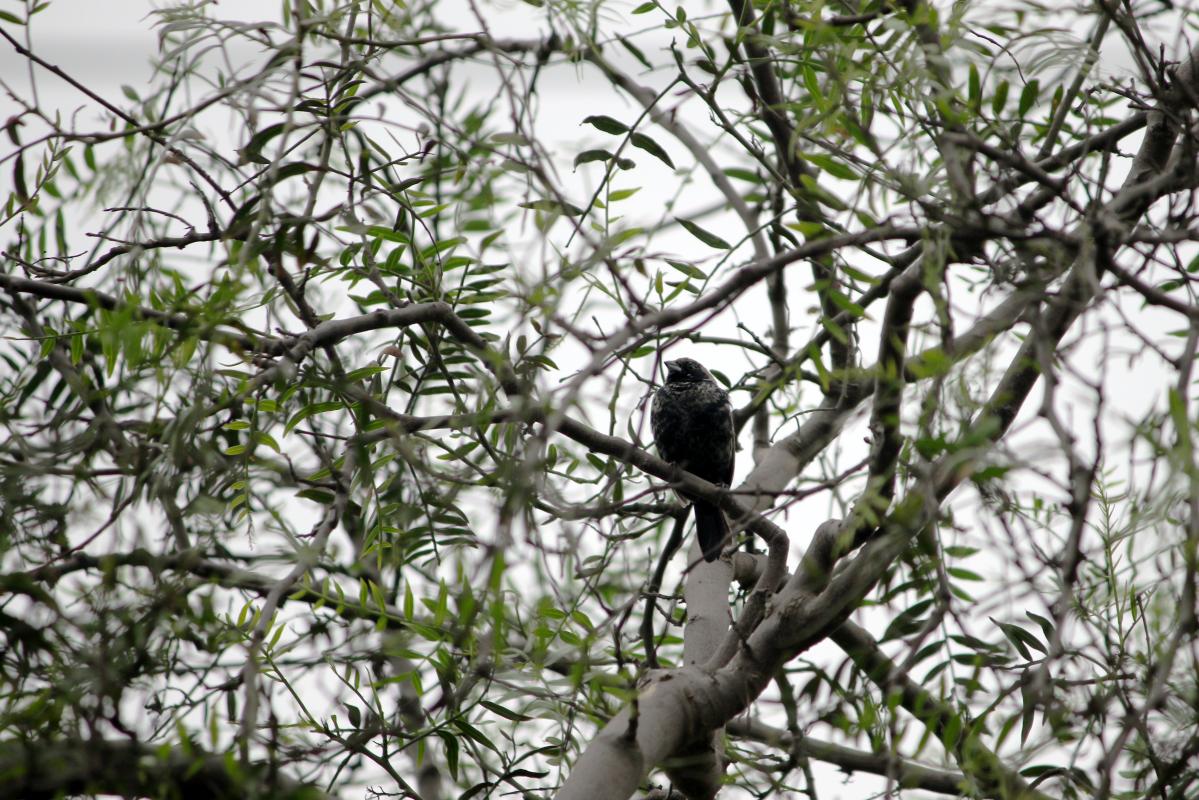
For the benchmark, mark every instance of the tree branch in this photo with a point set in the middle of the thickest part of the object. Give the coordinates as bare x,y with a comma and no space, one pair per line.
46,770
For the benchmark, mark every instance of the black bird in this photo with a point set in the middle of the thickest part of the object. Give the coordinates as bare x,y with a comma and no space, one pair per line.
692,422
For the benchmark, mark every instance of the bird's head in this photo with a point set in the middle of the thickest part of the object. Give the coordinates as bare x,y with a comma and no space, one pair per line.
686,370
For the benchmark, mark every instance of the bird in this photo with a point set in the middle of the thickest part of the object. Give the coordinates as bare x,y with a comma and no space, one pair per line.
692,423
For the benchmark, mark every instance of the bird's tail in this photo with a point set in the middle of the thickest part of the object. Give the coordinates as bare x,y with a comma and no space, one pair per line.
711,528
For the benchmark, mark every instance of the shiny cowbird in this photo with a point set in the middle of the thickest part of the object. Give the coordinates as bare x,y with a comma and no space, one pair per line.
692,422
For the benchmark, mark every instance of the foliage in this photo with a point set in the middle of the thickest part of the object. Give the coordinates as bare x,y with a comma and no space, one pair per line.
326,465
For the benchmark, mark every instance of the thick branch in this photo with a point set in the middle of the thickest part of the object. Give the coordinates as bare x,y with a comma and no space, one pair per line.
906,773
47,770
193,562
95,298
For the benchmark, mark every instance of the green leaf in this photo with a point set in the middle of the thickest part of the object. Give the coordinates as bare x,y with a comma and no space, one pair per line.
845,304
951,732
1028,96
645,8
622,236
588,156
812,83
808,228
635,52
60,232
1046,625
474,733
989,473
294,169
552,206
18,177
510,138
964,574
1028,711
690,270
743,174
441,246
831,165
821,194
1020,638
504,712
317,496
640,140
607,124
359,374
707,237
262,437
308,410
999,99
908,621
252,152
450,741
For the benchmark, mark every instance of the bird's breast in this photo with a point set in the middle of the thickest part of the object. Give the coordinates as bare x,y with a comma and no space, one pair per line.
693,428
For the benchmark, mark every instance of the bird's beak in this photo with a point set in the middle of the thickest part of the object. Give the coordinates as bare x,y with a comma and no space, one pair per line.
671,368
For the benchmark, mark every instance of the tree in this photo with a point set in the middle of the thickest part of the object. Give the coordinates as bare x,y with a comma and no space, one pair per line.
326,466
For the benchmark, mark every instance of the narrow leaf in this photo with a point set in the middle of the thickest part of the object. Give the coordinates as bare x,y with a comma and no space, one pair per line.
707,237
640,140
607,124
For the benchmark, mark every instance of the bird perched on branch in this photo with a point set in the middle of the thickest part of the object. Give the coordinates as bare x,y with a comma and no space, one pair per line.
692,422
